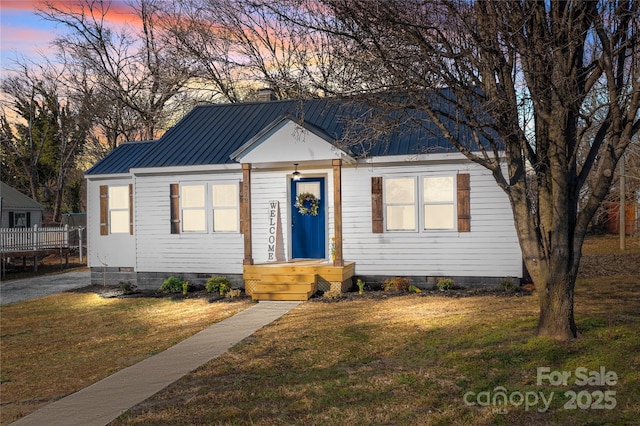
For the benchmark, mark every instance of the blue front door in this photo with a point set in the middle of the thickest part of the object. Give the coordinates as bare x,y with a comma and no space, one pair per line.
307,229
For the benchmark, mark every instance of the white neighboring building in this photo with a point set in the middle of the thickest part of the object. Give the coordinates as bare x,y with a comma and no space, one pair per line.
17,210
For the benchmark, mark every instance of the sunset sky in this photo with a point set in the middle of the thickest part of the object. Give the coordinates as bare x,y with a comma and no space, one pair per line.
23,33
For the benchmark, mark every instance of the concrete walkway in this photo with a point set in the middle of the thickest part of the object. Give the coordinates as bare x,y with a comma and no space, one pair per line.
32,288
105,400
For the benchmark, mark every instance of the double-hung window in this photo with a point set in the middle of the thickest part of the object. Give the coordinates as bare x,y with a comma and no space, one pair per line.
425,203
438,202
19,219
194,216
400,204
205,207
225,207
119,209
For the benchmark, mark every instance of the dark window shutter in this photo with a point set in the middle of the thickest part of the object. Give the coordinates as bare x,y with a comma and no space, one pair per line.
28,219
175,208
377,216
464,202
130,209
12,220
104,210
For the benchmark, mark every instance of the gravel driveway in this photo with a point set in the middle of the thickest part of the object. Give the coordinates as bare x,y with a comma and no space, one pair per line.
32,288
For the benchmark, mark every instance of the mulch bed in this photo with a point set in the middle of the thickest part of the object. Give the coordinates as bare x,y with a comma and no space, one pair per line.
591,265
114,291
375,294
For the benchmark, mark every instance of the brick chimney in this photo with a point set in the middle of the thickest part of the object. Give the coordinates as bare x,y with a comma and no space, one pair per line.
266,94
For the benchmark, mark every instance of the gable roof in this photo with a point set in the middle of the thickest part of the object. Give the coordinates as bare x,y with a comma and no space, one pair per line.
288,139
14,199
212,134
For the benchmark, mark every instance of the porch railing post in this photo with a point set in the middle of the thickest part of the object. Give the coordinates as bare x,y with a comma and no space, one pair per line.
35,237
246,209
337,211
80,229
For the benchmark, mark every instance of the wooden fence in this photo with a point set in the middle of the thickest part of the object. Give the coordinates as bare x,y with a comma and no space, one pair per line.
14,240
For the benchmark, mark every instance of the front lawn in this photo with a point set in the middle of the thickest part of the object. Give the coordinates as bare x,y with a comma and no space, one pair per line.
57,345
411,359
419,359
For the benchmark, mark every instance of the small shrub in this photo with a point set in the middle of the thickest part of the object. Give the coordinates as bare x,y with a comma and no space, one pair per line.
172,285
396,284
414,289
127,288
507,284
234,292
218,284
360,285
185,287
445,284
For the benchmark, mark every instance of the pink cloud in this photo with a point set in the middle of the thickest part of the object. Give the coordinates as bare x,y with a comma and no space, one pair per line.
119,12
23,33
27,35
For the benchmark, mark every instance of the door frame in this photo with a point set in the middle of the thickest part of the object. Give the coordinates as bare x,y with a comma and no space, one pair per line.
325,206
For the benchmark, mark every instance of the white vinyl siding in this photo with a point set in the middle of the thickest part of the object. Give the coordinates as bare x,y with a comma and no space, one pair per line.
115,249
272,185
188,252
491,249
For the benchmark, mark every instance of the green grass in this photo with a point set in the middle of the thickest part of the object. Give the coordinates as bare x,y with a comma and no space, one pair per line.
410,360
401,360
56,345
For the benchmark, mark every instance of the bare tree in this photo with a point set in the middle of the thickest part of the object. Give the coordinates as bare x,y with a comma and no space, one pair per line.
549,92
43,131
128,70
610,209
242,45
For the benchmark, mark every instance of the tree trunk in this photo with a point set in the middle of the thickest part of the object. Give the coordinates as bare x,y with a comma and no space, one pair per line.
555,296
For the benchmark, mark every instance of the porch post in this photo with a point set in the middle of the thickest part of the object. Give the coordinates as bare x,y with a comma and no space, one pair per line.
337,210
245,209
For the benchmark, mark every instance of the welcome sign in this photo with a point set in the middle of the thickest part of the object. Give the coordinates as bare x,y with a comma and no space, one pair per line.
272,239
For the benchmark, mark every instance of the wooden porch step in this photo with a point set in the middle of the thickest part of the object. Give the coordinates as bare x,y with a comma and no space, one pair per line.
285,287
292,287
286,278
282,295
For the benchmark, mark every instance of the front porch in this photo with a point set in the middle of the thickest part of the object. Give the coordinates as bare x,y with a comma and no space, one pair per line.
296,280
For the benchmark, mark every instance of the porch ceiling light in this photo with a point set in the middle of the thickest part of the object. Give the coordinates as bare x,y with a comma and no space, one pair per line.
296,173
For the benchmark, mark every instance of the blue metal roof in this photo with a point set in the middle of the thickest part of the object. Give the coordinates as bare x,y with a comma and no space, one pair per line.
210,134
121,159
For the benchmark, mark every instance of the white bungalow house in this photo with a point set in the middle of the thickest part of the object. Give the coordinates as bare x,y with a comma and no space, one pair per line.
262,192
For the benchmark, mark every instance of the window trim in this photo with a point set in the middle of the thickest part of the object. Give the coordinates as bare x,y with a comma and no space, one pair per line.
177,208
203,208
453,203
236,207
461,203
105,209
13,219
386,204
